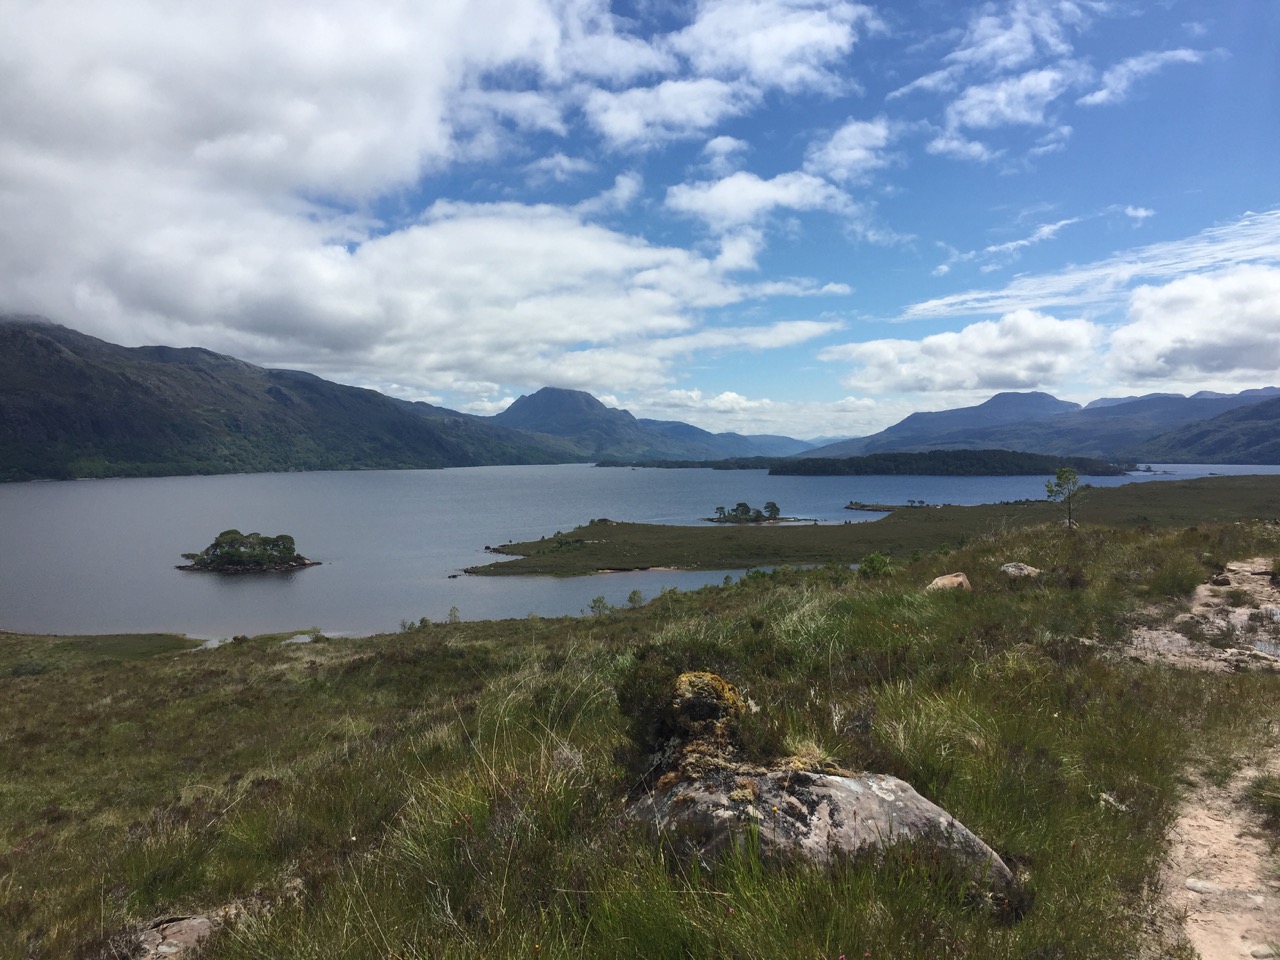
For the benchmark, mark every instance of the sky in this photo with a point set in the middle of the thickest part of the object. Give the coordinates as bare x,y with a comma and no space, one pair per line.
792,217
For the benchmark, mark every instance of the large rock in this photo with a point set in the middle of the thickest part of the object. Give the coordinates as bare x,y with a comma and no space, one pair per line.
950,581
821,818
707,802
1018,571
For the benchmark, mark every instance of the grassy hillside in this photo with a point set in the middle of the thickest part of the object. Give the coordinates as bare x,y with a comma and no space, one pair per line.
75,406
456,790
631,546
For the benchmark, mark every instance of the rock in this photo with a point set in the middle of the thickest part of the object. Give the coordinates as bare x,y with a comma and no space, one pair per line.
821,818
1196,885
1262,953
1221,580
173,936
950,581
1016,571
706,802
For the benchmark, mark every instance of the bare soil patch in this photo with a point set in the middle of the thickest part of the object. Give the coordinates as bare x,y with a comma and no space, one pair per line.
1221,885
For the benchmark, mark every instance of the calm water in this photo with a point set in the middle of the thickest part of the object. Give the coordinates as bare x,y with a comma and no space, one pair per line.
98,556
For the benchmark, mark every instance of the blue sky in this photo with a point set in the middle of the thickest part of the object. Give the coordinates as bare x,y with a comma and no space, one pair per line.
769,216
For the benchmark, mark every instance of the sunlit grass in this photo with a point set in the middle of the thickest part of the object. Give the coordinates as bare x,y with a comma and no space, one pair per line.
458,790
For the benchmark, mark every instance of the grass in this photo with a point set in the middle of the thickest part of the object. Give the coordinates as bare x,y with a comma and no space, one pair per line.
607,545
457,790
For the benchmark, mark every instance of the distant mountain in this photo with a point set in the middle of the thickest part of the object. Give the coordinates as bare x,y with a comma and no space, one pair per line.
72,405
1116,401
1119,430
1249,434
597,431
921,431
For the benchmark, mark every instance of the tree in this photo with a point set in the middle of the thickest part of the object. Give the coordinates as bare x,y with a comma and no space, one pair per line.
720,512
771,510
1064,488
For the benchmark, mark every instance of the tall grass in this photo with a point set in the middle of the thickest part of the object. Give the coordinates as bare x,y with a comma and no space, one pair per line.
459,790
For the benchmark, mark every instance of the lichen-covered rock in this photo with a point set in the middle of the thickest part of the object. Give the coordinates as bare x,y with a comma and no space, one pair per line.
1019,571
820,818
950,581
706,801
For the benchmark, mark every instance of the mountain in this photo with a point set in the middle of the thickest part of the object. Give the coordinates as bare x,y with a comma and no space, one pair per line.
1249,434
72,405
923,430
597,431
1122,429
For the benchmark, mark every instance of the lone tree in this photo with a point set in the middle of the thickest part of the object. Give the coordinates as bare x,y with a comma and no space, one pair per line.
1064,488
771,510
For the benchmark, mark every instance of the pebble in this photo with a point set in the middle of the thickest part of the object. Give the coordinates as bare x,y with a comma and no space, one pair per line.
1196,885
1262,952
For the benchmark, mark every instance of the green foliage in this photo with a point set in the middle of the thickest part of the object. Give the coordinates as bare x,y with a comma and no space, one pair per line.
235,552
874,565
1064,488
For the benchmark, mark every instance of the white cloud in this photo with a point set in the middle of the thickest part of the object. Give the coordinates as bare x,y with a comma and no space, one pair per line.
1015,100
1025,31
626,187
1020,351
592,46
949,144
723,154
1221,325
789,44
1255,238
559,167
743,198
852,152
1046,231
1119,80
673,109
1138,213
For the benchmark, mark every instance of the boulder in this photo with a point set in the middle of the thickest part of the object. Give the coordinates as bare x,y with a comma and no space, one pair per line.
1017,571
822,818
705,801
950,581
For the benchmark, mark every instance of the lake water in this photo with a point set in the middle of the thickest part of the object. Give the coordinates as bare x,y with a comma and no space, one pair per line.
98,556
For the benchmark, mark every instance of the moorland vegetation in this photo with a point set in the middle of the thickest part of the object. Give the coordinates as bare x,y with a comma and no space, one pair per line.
458,789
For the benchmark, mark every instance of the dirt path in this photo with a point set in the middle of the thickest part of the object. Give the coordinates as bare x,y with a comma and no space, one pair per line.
1221,881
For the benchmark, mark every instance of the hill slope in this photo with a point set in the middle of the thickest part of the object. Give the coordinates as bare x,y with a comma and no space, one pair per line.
75,406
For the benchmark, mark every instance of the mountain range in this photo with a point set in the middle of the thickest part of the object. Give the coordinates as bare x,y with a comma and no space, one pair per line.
72,405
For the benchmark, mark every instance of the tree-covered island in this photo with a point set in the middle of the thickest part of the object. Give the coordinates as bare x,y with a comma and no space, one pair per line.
236,552
745,513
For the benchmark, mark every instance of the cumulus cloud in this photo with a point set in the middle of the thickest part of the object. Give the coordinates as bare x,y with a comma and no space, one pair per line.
1119,80
1015,100
1138,213
852,152
744,198
644,116
789,44
1022,350
723,154
1223,325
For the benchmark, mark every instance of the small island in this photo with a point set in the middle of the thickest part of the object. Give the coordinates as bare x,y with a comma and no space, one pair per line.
236,552
745,513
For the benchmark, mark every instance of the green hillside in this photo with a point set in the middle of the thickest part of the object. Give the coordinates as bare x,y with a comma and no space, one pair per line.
75,406
460,790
